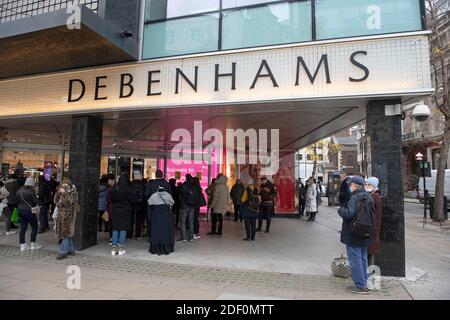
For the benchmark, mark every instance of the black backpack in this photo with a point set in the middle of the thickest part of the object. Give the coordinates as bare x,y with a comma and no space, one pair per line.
363,224
190,195
253,200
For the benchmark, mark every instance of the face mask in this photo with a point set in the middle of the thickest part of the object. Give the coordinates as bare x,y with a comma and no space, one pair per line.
369,189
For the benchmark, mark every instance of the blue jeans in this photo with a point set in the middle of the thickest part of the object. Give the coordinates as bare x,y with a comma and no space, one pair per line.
66,246
26,217
118,237
187,215
357,256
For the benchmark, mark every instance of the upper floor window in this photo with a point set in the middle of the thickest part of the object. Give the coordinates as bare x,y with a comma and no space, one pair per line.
347,18
165,9
176,27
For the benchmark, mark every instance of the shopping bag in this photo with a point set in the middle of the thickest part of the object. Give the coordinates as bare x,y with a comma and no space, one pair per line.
340,267
105,216
15,216
55,213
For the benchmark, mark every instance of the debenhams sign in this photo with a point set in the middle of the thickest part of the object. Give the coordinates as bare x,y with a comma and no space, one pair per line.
153,83
360,68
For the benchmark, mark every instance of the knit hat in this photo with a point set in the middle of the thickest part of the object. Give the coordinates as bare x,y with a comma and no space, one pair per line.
30,182
373,181
357,180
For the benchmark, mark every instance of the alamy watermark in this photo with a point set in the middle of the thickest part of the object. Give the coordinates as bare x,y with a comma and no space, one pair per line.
74,12
191,149
73,282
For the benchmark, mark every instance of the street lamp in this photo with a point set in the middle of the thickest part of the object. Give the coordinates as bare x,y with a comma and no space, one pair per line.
423,164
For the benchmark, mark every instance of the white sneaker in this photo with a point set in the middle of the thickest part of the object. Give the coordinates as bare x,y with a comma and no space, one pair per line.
24,247
114,251
197,237
35,246
8,233
122,251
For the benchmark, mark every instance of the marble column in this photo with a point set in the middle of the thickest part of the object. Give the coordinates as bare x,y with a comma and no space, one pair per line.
84,172
385,163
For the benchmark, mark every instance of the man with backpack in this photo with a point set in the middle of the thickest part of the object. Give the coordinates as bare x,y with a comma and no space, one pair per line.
188,200
357,232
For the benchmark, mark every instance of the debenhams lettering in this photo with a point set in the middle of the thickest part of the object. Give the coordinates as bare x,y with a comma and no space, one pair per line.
77,87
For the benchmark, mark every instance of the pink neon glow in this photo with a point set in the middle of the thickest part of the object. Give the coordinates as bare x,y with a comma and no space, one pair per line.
193,168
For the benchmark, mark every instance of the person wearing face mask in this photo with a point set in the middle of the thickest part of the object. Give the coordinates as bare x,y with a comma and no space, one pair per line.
371,186
358,221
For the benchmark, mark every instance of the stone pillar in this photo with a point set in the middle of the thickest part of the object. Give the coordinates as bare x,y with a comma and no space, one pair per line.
385,162
2,138
84,172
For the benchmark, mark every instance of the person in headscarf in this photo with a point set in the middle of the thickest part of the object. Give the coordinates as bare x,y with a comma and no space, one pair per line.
163,237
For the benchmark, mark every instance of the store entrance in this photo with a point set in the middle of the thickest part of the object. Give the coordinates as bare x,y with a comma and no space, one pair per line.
129,165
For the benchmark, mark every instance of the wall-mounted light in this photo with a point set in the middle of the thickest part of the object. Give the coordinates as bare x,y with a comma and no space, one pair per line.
126,34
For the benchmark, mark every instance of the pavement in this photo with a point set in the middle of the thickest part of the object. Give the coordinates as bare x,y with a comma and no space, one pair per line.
291,262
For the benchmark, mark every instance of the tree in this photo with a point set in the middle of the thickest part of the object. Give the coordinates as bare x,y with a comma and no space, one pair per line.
437,20
315,156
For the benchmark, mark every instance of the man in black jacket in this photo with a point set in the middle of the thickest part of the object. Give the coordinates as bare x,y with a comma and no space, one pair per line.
44,202
301,198
138,212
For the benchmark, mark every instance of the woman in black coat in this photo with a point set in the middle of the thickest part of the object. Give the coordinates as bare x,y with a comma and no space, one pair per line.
122,200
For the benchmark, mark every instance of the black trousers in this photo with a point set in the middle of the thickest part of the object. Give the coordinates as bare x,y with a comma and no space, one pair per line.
237,212
43,217
265,212
301,206
216,218
196,223
137,219
177,216
250,226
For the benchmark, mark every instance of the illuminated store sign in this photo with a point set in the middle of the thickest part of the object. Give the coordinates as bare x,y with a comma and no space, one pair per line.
391,66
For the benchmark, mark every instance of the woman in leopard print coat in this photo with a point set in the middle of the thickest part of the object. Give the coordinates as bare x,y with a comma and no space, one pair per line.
66,200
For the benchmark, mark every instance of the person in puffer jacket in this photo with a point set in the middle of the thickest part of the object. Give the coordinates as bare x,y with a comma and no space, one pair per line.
219,204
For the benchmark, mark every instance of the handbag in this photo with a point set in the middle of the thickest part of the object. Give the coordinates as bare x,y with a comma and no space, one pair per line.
340,267
34,210
55,213
202,200
105,216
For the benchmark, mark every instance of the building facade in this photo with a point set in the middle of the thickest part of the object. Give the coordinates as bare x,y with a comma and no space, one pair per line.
101,87
344,152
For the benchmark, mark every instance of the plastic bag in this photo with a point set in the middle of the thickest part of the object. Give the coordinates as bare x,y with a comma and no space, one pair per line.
15,216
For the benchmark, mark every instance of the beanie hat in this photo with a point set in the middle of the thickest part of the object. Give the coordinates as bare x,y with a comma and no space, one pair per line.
373,181
30,182
357,180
